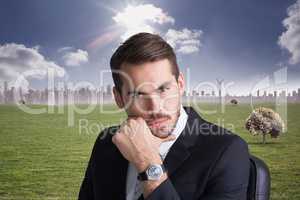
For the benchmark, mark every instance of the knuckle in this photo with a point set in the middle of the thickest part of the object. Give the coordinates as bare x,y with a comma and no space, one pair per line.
140,119
116,137
113,139
130,121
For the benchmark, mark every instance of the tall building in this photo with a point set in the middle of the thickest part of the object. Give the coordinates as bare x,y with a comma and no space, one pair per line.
11,95
283,93
1,96
195,93
5,92
265,93
108,90
213,93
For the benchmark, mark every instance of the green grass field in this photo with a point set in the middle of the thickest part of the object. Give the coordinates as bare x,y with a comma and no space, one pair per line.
42,158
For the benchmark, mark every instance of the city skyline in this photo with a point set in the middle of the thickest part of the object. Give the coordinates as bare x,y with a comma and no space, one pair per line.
104,94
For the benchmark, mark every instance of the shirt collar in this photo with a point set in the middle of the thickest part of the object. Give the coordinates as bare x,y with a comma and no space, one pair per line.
180,124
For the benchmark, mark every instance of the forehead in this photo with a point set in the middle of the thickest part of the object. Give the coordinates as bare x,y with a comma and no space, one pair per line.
147,75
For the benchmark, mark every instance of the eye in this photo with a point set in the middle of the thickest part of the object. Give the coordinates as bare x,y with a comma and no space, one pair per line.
136,95
163,89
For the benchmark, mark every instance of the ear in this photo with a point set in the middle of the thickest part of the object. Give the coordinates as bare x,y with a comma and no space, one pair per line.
181,83
118,98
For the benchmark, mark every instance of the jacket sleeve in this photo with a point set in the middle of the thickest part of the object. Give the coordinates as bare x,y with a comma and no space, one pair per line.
165,191
228,180
86,189
230,177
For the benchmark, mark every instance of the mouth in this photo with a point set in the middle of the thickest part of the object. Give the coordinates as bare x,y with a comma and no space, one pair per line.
157,122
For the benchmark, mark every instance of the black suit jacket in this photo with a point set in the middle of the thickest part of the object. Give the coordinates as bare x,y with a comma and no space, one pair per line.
206,162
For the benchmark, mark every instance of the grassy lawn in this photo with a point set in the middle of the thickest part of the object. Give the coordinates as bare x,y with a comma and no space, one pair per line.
42,158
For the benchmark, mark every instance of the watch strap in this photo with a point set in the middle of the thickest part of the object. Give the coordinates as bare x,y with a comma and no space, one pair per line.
143,175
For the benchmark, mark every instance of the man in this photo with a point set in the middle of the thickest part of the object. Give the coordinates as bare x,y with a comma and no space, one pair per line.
162,151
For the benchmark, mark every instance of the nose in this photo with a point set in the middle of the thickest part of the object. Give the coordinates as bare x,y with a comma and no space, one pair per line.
154,103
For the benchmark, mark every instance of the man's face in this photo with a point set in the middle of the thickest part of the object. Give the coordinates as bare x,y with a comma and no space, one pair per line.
151,91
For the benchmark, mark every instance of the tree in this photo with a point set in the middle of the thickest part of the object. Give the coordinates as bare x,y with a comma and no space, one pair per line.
233,101
264,121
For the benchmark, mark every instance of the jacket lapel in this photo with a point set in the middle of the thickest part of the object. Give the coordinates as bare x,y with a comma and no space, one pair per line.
176,156
180,151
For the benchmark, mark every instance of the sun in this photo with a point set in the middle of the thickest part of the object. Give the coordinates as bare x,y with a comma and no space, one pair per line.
141,18
131,20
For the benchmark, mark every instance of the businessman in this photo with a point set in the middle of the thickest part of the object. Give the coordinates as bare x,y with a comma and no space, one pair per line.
162,151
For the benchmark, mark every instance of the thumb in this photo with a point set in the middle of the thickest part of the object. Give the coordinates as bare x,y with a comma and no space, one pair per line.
169,138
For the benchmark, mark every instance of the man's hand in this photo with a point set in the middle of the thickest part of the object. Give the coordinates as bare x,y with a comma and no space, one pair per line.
137,144
140,147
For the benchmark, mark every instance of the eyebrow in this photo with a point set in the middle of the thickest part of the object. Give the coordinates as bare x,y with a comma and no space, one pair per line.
165,84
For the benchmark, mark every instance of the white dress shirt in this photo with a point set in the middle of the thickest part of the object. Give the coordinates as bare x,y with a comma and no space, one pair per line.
134,187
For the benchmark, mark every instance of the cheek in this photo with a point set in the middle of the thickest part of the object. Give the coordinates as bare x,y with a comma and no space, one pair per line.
129,106
136,110
171,103
132,107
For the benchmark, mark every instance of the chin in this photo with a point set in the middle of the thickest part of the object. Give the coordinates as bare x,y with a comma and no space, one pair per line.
162,132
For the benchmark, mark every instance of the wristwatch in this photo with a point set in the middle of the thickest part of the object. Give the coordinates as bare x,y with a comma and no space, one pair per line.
153,172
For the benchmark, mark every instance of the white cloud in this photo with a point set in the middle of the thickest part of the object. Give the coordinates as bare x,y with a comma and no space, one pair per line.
74,58
64,49
20,62
184,41
141,18
290,39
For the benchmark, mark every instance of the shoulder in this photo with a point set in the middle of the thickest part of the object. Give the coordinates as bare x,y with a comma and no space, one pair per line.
103,144
209,134
225,152
217,135
212,138
104,137
220,139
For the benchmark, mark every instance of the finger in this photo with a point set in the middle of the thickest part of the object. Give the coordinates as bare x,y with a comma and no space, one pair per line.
128,130
132,117
114,139
136,119
117,132
119,136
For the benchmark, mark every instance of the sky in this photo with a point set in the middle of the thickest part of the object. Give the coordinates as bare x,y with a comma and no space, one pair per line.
247,44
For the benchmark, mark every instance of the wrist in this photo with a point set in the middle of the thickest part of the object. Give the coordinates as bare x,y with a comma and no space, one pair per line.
142,166
150,186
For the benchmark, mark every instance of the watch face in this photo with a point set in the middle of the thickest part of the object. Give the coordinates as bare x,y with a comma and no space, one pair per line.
154,172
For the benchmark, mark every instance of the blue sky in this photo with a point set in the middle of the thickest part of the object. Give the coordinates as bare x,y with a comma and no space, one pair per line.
240,41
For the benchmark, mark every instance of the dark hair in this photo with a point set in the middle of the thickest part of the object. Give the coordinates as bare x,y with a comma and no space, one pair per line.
139,49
